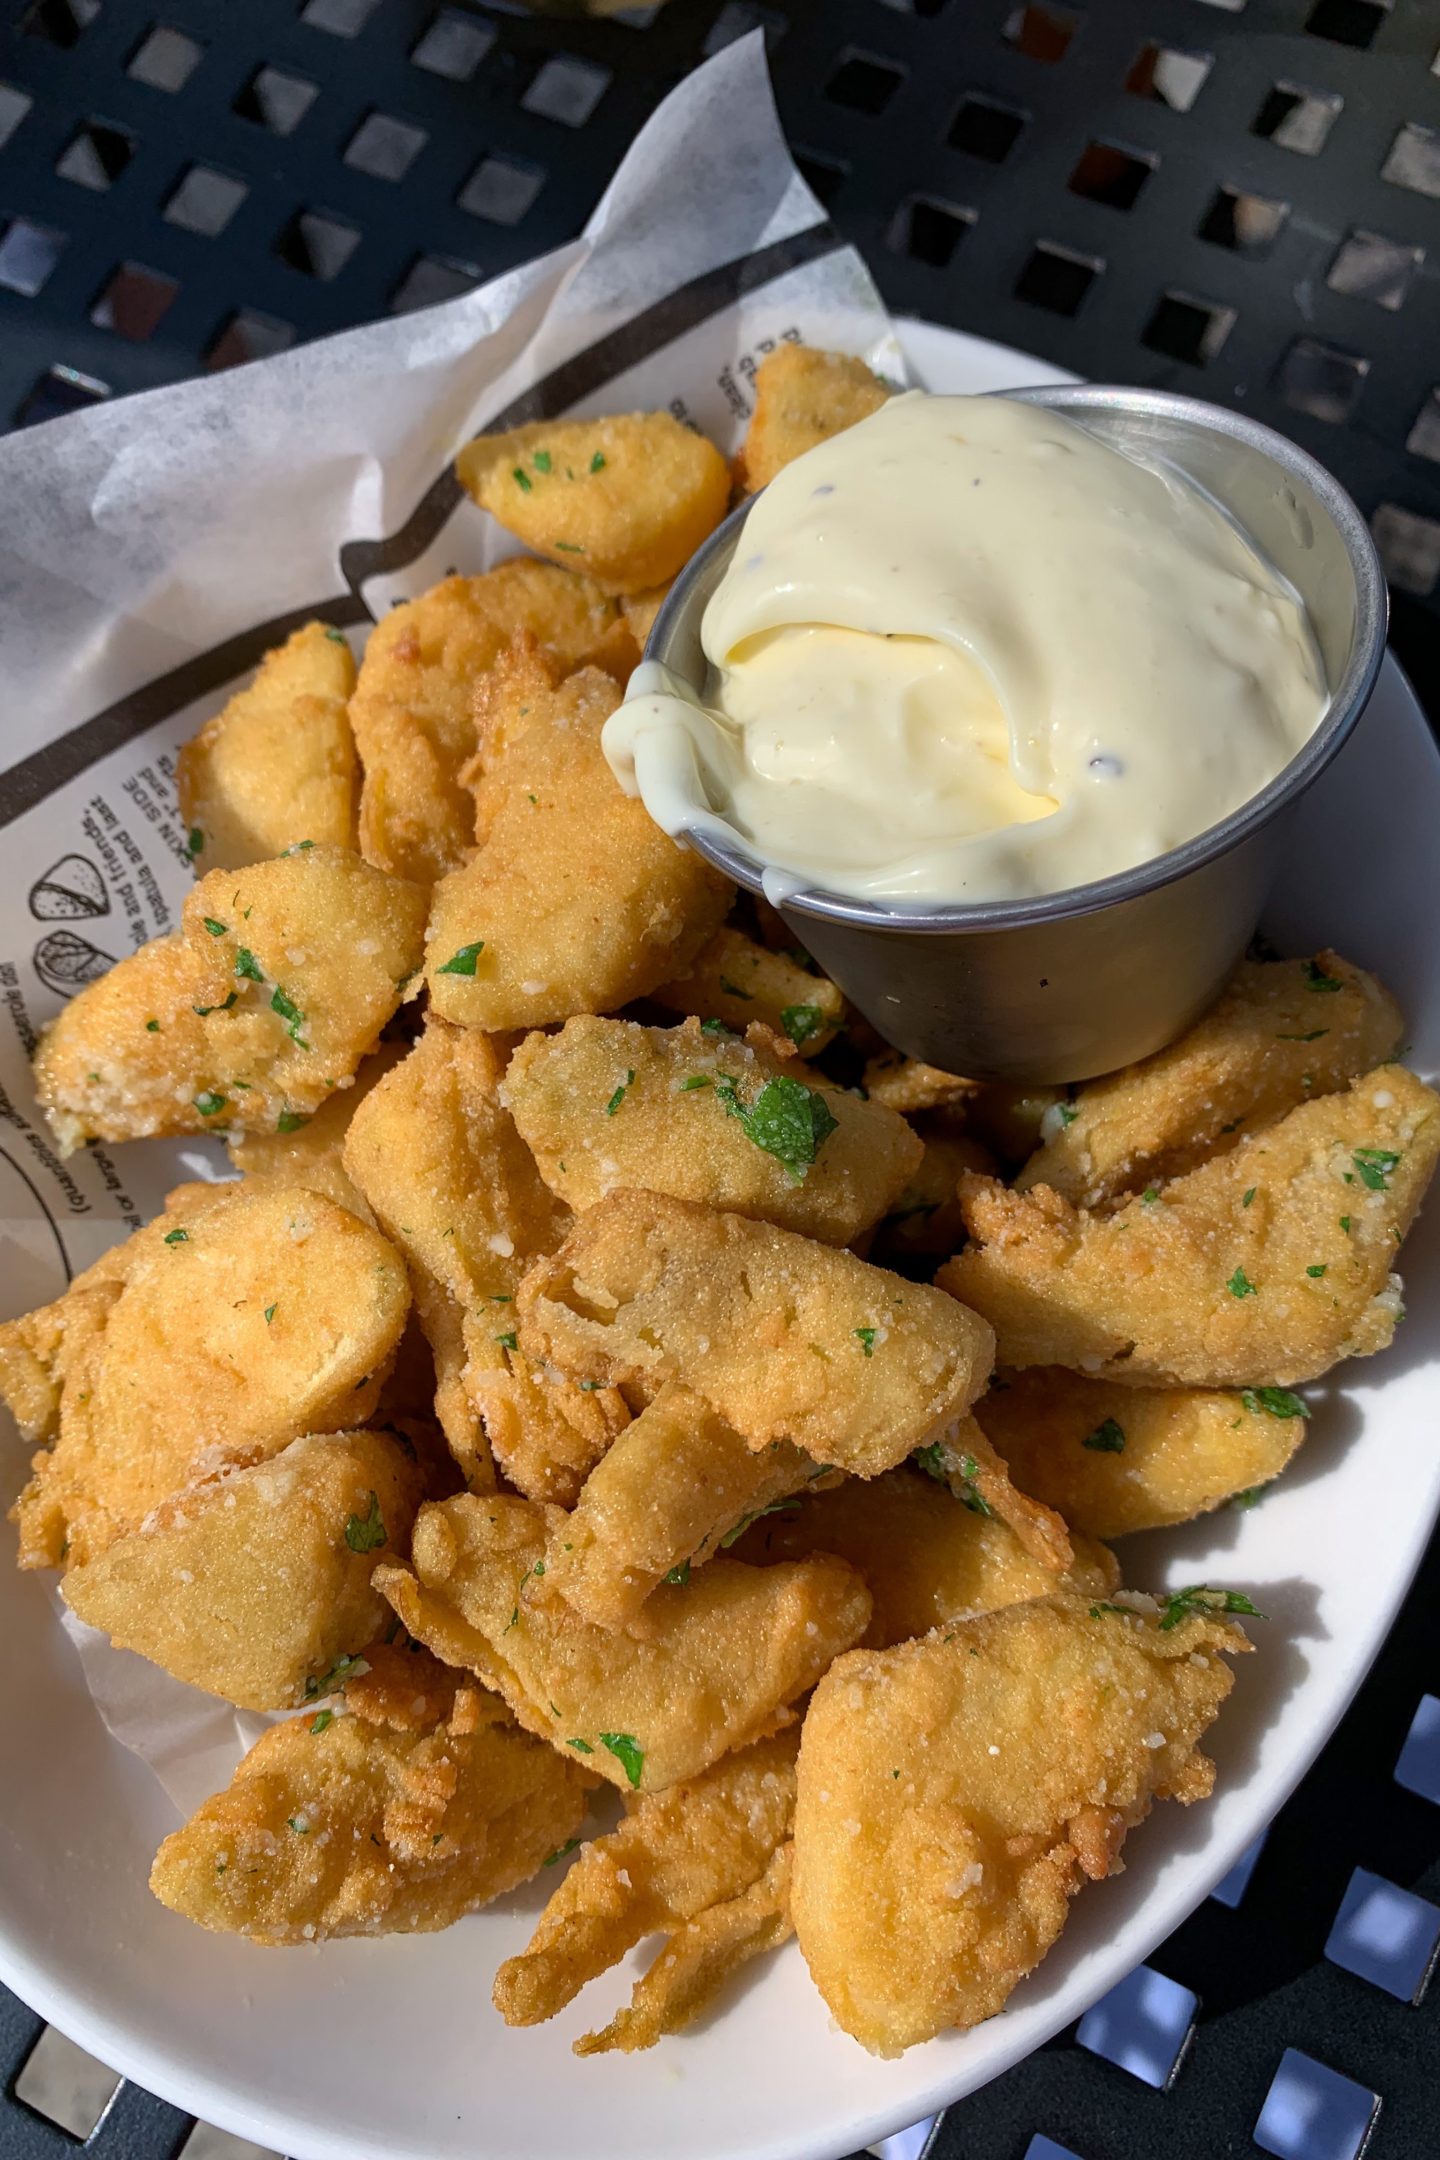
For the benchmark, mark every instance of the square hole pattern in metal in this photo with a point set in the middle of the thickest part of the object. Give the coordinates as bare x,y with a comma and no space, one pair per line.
1236,198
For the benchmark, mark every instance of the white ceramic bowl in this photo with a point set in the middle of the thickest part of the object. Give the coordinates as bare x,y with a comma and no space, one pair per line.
392,2048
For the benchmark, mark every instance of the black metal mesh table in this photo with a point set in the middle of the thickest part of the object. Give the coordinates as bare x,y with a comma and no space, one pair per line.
1239,198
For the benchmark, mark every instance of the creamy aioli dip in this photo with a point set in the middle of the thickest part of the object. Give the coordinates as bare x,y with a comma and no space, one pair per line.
965,651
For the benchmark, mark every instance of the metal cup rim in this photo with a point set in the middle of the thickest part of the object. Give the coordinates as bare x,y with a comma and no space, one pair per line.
1347,701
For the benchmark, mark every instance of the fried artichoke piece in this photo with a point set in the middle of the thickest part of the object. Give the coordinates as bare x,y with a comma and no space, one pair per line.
626,499
697,1961
606,1104
906,1085
242,1320
966,1462
1114,1459
735,980
926,1219
250,1016
575,900
784,1338
709,1666
1259,1269
311,1151
926,1557
802,397
371,1821
545,1429
1284,1032
434,1152
955,1793
413,708
277,766
677,1855
676,1487
253,1583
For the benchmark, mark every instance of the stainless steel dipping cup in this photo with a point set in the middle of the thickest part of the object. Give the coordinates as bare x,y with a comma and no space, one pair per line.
1077,983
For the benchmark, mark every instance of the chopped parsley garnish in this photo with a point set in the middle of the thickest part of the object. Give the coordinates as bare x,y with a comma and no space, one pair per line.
679,1575
569,547
787,1120
1345,1224
270,1312
696,1080
177,1237
737,1530
291,1121
203,1012
734,990
1240,1284
216,929
1313,1036
560,1852
344,1668
619,1095
969,1471
195,843
800,1022
508,1342
247,965
322,1721
300,1824
865,1336
583,1745
522,479
597,463
1123,1610
463,962
210,1104
1279,1402
627,1752
366,1533
1374,1165
290,1013
1251,1497
1150,1195
1249,1197
541,461
152,1027
1200,1597
713,1027
1066,1113
932,1461
1108,1438
336,637
1317,979
1317,1271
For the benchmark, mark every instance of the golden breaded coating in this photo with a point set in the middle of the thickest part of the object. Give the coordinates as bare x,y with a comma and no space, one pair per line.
955,1793
677,1854
413,711
277,766
42,1352
697,1961
786,1339
802,397
248,1017
676,1487
1259,1269
434,1152
575,901
243,1320
311,1151
606,1104
735,980
339,1825
253,1583
1114,1459
926,1557
640,610
904,1084
714,1664
626,499
1284,1032
545,1429
926,1218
